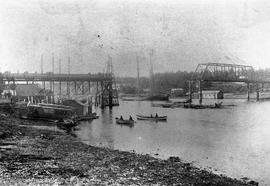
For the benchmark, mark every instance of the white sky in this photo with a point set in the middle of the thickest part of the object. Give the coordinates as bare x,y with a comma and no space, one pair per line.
181,34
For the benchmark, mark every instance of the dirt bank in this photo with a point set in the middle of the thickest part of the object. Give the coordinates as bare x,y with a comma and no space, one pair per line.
36,156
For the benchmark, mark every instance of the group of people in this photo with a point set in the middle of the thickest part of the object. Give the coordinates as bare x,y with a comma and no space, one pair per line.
130,118
155,115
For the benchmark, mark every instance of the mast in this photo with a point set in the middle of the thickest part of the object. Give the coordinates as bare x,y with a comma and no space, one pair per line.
52,62
59,65
151,72
41,64
138,75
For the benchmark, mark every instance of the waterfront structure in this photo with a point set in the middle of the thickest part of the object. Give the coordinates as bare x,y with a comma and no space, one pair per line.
76,84
212,94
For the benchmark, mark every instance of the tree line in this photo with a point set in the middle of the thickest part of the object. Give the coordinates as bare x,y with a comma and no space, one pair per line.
164,82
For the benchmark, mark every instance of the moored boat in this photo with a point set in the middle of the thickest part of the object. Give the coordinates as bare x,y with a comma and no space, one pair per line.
157,97
196,106
48,112
87,117
152,118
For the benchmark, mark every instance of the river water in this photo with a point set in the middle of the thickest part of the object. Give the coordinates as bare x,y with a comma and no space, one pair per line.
234,141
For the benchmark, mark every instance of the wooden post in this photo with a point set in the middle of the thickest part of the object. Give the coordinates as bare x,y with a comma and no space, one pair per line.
82,87
53,92
258,92
110,95
68,89
200,93
75,86
248,91
102,95
60,89
96,98
189,92
89,87
50,85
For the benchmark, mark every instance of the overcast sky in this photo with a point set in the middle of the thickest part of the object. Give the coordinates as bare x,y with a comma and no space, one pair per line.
178,34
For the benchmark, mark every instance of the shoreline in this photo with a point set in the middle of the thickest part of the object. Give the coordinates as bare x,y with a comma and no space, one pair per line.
30,155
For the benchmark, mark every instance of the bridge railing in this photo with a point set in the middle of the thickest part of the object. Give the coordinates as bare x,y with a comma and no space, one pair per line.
55,77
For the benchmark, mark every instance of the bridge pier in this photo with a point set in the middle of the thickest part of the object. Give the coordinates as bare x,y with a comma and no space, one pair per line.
75,87
257,92
110,95
200,92
82,87
68,89
60,89
96,97
89,87
248,91
43,84
189,92
102,95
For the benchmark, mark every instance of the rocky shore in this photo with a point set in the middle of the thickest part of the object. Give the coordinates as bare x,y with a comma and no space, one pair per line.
35,156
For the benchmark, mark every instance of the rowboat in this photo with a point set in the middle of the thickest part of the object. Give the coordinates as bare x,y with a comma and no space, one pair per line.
124,121
152,118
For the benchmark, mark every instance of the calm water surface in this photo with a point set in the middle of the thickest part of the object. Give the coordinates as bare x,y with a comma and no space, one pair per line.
233,141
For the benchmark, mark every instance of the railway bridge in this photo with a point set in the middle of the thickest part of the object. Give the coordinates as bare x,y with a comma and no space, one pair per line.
224,72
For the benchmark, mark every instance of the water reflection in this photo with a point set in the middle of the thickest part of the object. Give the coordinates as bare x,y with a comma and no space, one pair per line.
234,141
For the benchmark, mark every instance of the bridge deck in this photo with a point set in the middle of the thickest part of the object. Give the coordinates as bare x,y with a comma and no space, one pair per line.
56,77
237,80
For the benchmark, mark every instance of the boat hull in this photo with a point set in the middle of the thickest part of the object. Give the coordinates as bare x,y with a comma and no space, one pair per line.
157,98
124,122
159,118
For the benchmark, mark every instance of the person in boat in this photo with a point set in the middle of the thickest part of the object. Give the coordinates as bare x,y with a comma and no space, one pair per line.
151,115
130,118
156,115
121,118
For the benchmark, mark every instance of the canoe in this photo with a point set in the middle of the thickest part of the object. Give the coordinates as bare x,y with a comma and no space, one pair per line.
124,122
153,118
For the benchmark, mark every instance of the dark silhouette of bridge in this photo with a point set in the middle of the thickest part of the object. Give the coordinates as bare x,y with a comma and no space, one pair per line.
224,72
